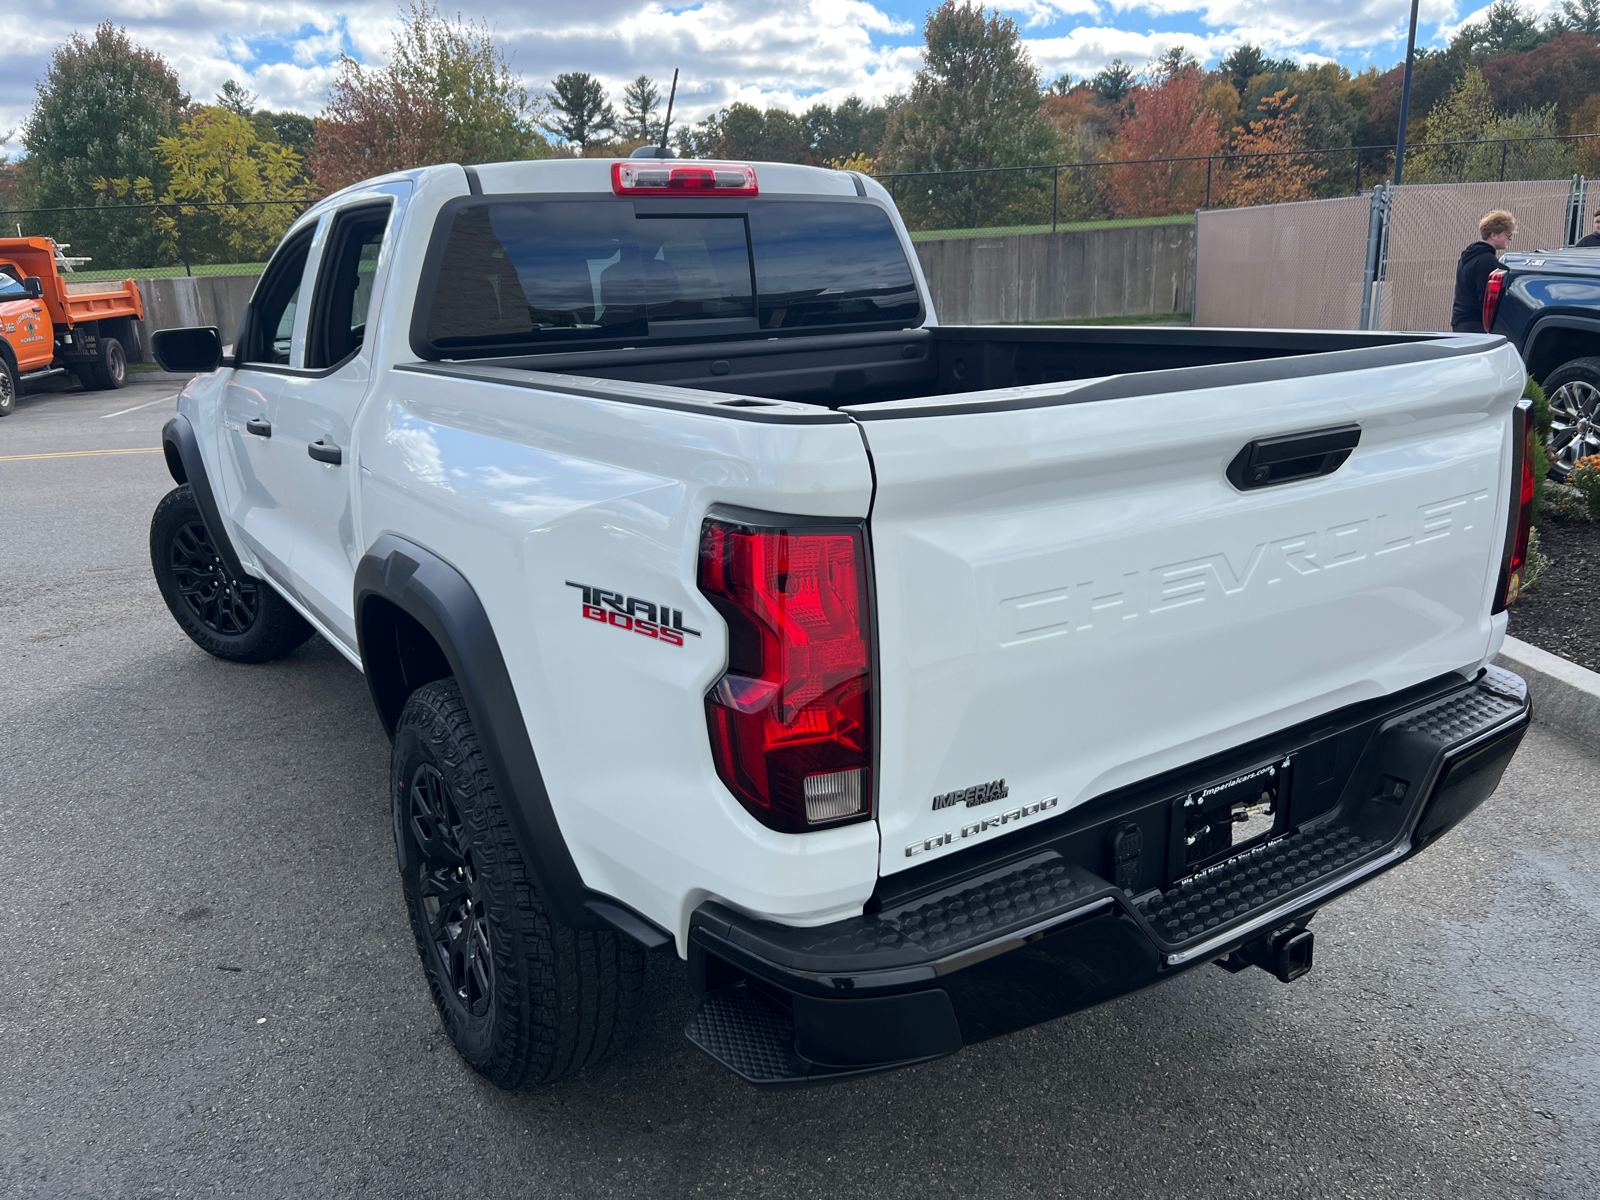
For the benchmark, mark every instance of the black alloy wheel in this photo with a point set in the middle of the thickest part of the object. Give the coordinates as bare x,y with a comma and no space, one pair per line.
523,997
451,893
236,618
222,604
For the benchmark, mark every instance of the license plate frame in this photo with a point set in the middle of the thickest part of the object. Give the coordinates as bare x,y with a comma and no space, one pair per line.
1215,822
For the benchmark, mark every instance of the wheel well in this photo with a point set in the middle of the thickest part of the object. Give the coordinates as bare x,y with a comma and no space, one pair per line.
1554,347
398,655
175,468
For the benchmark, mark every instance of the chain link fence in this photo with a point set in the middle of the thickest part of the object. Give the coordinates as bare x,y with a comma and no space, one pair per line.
1067,196
1384,260
1430,223
111,241
1291,266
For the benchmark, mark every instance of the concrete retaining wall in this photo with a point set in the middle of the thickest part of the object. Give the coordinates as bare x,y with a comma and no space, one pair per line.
174,303
1143,269
1130,271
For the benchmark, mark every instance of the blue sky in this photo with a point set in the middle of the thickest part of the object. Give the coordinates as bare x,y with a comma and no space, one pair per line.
786,54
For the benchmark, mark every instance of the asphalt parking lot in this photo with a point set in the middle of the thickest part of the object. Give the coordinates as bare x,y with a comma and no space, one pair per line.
214,991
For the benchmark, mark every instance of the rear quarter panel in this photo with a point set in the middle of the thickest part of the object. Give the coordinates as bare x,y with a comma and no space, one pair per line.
525,491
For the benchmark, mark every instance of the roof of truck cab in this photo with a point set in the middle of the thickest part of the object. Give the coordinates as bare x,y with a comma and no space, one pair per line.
1577,260
594,175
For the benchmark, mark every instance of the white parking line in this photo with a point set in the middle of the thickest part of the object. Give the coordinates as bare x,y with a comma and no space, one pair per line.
137,407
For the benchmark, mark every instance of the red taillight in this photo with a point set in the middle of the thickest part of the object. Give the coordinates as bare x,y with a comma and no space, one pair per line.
1519,521
1491,298
791,721
653,176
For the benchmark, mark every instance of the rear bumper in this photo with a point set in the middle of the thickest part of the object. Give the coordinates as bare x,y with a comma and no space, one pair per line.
979,947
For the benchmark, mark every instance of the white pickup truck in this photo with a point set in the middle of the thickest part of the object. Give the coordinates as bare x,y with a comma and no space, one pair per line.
914,683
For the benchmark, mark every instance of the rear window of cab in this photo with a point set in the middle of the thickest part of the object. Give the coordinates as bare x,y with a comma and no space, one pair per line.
508,275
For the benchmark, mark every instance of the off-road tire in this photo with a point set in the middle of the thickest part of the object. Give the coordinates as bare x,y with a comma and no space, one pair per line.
1573,390
543,1000
10,387
241,620
110,365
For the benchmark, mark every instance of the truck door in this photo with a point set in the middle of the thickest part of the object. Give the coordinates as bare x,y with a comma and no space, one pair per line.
317,422
25,326
270,361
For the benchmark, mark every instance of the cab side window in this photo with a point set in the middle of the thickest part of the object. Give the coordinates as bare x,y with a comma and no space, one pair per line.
271,328
344,285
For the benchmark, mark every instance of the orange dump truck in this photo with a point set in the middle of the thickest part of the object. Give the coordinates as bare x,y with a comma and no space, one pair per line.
45,329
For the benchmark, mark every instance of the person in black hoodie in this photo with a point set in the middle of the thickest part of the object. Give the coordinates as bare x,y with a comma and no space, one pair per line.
1472,271
1593,239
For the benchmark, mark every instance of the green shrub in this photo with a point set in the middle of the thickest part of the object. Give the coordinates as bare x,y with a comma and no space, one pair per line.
1541,440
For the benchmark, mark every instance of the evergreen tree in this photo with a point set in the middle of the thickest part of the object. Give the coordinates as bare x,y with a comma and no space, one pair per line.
237,98
641,100
1243,65
1113,82
1578,16
1506,28
580,114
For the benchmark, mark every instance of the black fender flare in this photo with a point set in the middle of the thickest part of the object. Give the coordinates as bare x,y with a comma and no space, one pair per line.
438,597
1548,324
181,449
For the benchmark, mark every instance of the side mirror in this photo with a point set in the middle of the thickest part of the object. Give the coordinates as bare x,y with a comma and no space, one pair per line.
32,288
183,351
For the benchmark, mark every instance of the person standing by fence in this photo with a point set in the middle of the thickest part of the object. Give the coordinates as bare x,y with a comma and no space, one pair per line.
1592,239
1474,267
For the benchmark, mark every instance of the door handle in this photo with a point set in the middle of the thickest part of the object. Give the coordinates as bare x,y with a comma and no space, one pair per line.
1291,456
259,426
325,451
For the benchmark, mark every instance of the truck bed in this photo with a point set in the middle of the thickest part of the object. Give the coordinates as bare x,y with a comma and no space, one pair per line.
840,370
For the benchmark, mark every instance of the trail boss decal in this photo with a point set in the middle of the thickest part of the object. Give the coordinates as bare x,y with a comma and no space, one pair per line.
629,612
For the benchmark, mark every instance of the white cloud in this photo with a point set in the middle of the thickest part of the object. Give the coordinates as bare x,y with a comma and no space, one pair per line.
790,55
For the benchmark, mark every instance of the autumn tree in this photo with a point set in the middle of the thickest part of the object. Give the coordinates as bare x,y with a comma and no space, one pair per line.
236,192
580,114
447,94
1169,121
1267,169
974,104
1561,72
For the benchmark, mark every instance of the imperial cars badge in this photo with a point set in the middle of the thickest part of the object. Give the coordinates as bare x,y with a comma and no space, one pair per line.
973,796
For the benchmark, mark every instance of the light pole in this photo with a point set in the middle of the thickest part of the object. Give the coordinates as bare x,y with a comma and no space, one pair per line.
1405,95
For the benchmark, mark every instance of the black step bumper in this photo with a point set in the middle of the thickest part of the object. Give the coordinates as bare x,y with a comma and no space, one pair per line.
982,944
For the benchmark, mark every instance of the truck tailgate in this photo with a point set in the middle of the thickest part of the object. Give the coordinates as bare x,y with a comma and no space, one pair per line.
1072,596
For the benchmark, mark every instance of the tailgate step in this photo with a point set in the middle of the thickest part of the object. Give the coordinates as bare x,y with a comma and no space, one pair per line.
751,1038
1197,906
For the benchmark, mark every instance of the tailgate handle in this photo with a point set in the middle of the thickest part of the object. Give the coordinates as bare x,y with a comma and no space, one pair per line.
1291,456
